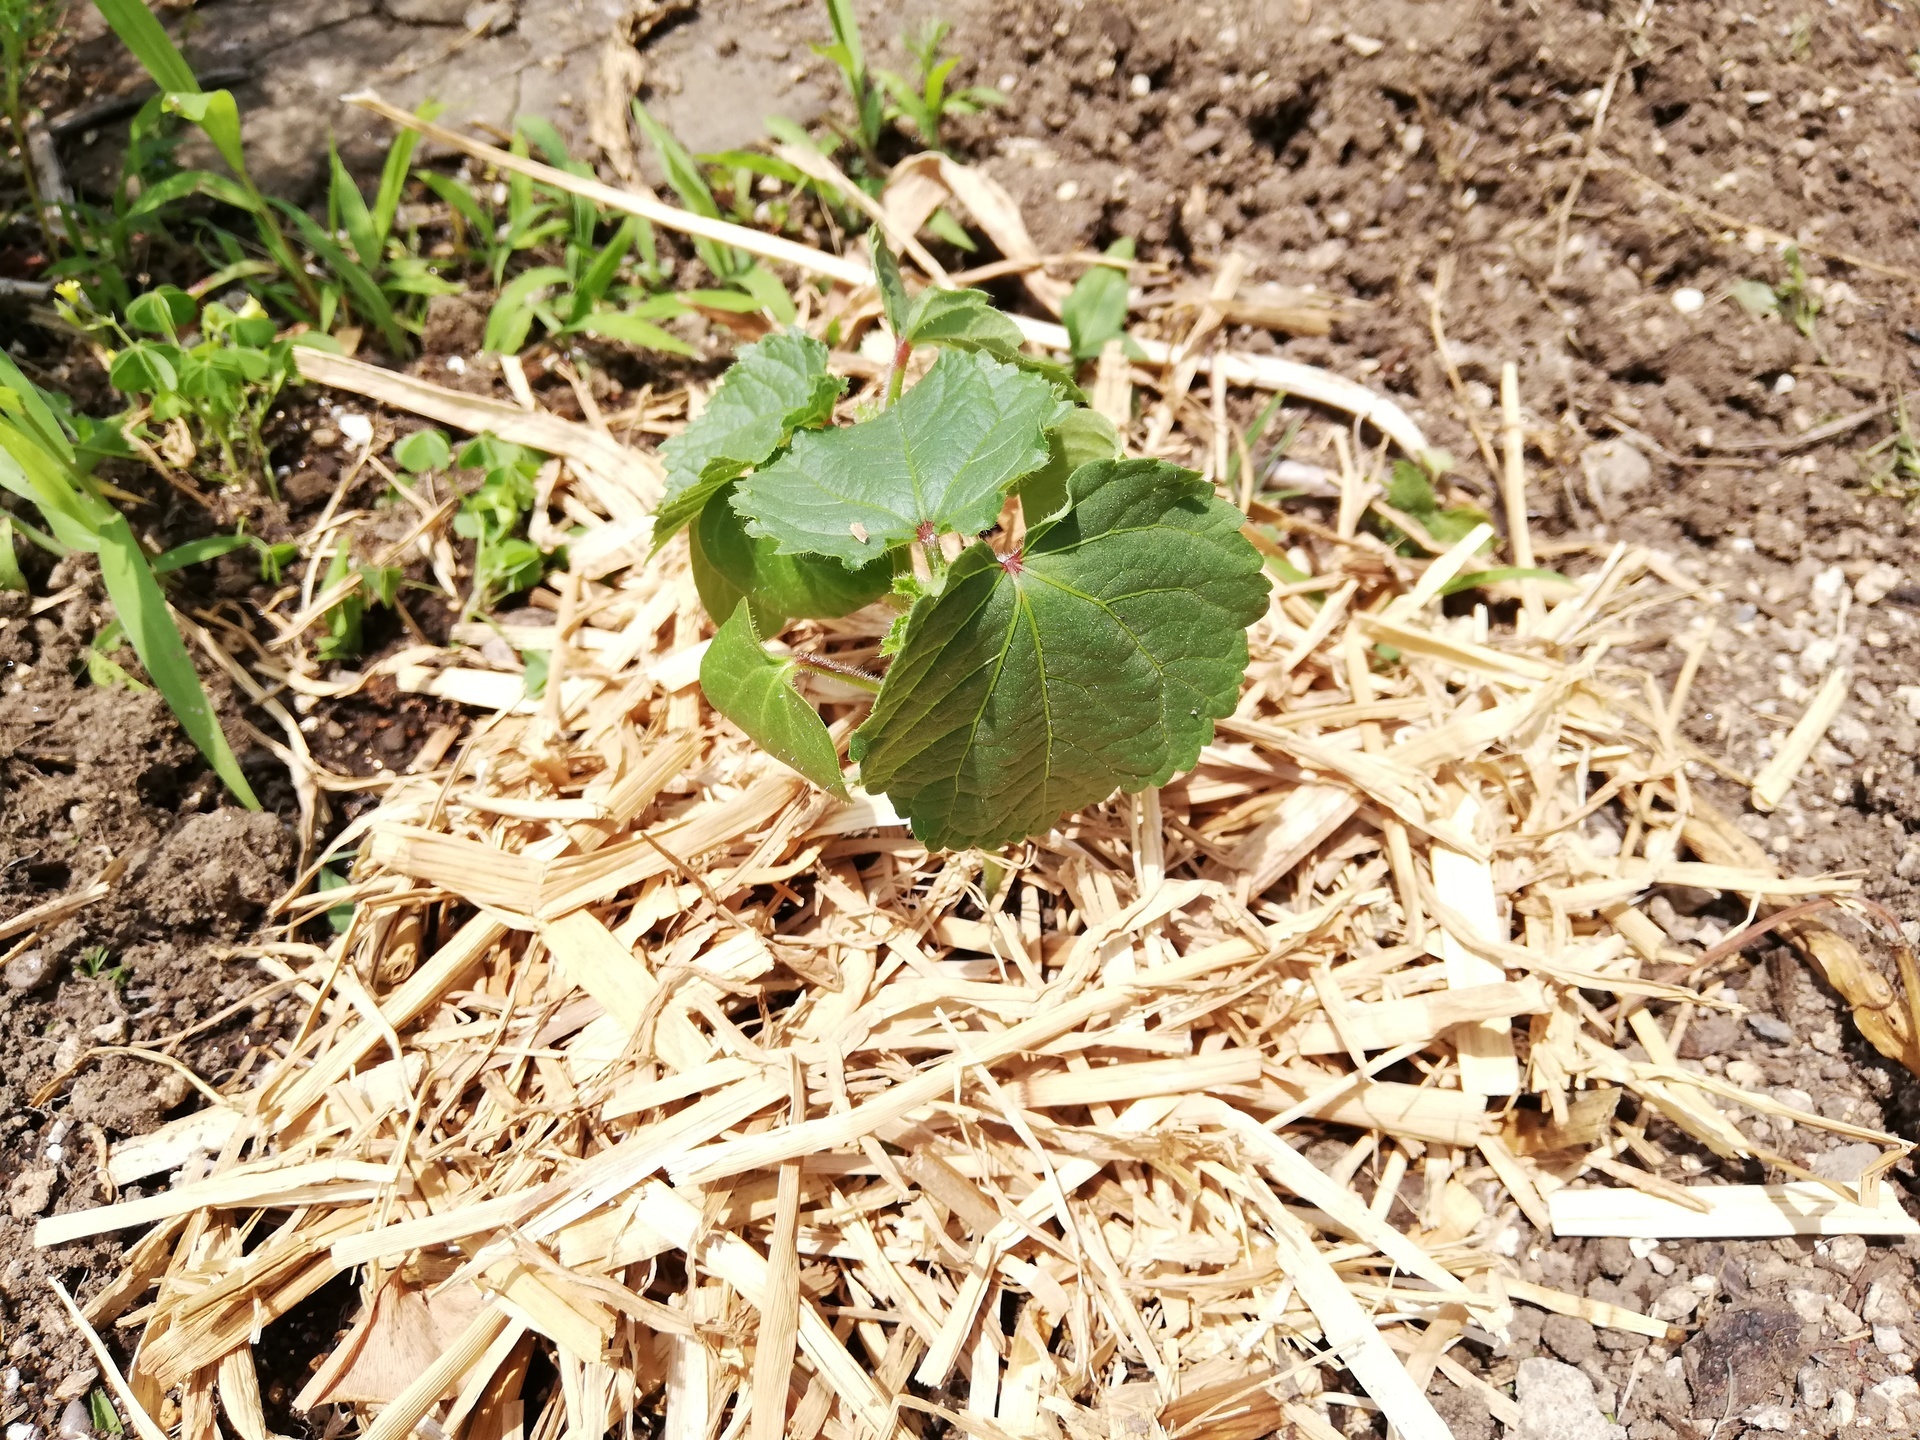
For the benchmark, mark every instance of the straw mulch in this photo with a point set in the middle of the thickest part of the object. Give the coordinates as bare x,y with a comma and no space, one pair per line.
651,1088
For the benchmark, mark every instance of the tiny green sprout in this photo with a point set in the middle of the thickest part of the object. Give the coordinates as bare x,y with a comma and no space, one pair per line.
422,451
96,963
1035,673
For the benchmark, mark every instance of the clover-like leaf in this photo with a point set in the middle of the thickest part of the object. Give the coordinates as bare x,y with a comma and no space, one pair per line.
943,456
776,386
729,565
1097,659
755,691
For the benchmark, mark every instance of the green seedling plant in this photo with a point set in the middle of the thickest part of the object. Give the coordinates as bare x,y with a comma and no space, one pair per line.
96,963
746,284
1085,648
316,299
924,102
218,369
849,56
344,633
590,291
1095,310
273,558
1792,298
39,463
103,671
404,277
494,517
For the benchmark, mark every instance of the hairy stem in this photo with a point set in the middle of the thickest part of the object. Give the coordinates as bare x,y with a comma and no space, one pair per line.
827,665
897,376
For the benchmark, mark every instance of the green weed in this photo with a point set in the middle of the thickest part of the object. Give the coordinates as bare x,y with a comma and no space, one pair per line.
39,463
494,518
925,101
1893,465
96,963
218,369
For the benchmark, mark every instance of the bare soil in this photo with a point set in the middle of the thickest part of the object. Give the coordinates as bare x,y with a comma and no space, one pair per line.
1591,183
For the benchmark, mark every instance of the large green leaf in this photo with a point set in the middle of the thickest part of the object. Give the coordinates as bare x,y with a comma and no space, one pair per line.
1096,660
755,691
943,457
1081,437
730,565
775,386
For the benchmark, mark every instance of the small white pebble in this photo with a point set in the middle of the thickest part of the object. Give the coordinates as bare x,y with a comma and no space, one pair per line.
75,1423
358,429
56,1153
1689,301
1642,1247
1784,385
1067,190
456,365
1140,85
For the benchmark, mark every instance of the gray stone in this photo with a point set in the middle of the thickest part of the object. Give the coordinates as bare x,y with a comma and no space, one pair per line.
1771,1028
1615,471
567,61
1845,1162
1847,1252
1886,1305
1557,1403
27,970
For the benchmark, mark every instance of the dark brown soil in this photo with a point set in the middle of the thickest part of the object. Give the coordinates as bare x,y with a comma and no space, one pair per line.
88,777
1371,150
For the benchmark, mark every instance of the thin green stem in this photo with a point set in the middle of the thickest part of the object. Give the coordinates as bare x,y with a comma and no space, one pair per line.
17,121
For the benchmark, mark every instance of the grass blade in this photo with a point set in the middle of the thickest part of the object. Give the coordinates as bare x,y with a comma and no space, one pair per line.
142,609
393,174
10,576
351,209
367,295
143,35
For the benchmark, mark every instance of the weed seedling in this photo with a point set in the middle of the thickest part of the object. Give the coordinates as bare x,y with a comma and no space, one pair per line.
39,463
1095,310
1088,649
96,963
494,517
1893,465
924,102
218,369
1797,302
